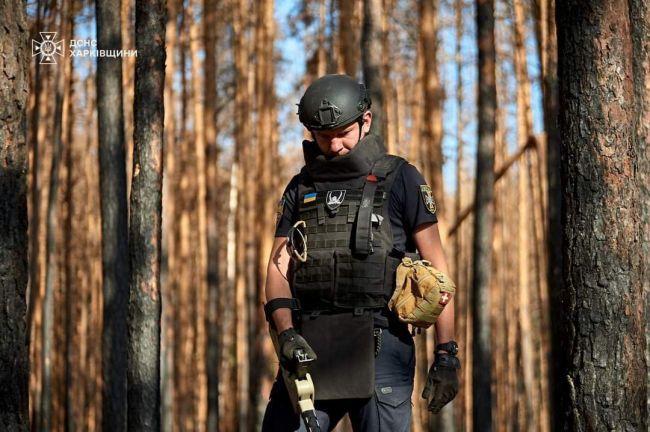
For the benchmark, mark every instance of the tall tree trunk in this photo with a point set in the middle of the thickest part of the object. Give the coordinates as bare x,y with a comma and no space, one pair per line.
70,259
35,190
530,402
320,46
348,50
371,57
243,155
262,370
128,70
482,244
212,27
544,11
114,215
170,267
14,87
460,156
640,19
52,268
200,289
604,310
549,167
145,227
431,142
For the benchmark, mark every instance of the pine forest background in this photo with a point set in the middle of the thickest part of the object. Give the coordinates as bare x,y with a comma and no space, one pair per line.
234,72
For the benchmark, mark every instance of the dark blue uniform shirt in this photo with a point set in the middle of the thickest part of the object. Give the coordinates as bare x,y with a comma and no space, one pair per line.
407,208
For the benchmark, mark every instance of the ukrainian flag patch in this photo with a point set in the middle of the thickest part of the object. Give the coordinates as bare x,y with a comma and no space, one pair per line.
309,197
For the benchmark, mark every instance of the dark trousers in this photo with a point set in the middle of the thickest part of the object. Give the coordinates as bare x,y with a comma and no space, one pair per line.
388,410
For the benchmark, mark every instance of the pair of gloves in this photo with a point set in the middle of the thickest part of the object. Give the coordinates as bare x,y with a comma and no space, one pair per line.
442,381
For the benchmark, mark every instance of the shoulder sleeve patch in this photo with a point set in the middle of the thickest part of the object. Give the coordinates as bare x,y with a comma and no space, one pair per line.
427,198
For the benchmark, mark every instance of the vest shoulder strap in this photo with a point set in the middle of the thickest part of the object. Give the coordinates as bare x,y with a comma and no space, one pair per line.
383,171
387,168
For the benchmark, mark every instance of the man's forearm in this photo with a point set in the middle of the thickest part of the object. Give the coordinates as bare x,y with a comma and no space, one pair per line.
279,289
445,324
282,319
277,285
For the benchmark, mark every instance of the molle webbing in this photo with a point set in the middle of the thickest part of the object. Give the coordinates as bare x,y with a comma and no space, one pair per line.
337,274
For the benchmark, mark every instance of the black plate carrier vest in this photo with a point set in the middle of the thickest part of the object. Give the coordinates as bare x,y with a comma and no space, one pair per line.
350,258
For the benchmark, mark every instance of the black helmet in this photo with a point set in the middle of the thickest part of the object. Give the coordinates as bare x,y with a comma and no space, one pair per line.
333,101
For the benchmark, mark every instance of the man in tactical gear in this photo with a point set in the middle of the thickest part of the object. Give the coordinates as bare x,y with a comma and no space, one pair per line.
344,224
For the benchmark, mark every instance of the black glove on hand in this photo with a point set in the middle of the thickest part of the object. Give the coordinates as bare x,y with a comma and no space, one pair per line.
290,343
442,382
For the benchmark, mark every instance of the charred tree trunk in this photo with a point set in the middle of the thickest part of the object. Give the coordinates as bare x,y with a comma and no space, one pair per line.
14,352
372,53
145,227
112,176
482,244
212,25
603,309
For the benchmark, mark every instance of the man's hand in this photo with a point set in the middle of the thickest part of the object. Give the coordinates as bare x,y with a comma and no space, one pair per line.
442,382
291,343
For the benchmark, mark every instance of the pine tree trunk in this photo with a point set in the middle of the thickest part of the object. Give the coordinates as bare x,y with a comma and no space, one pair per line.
212,27
145,220
603,94
114,215
70,259
433,99
14,348
371,57
530,400
51,270
199,296
128,71
458,238
262,369
35,186
169,268
348,54
243,156
482,244
547,48
390,121
640,19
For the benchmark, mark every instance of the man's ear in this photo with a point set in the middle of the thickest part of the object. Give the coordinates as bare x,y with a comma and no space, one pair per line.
367,121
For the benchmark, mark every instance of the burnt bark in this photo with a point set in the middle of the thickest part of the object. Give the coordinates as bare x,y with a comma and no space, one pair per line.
144,310
112,179
212,27
601,334
482,243
14,350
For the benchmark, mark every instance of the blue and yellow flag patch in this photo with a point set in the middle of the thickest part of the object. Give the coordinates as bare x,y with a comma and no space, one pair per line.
309,198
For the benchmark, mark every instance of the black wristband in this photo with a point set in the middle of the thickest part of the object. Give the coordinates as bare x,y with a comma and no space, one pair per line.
451,347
